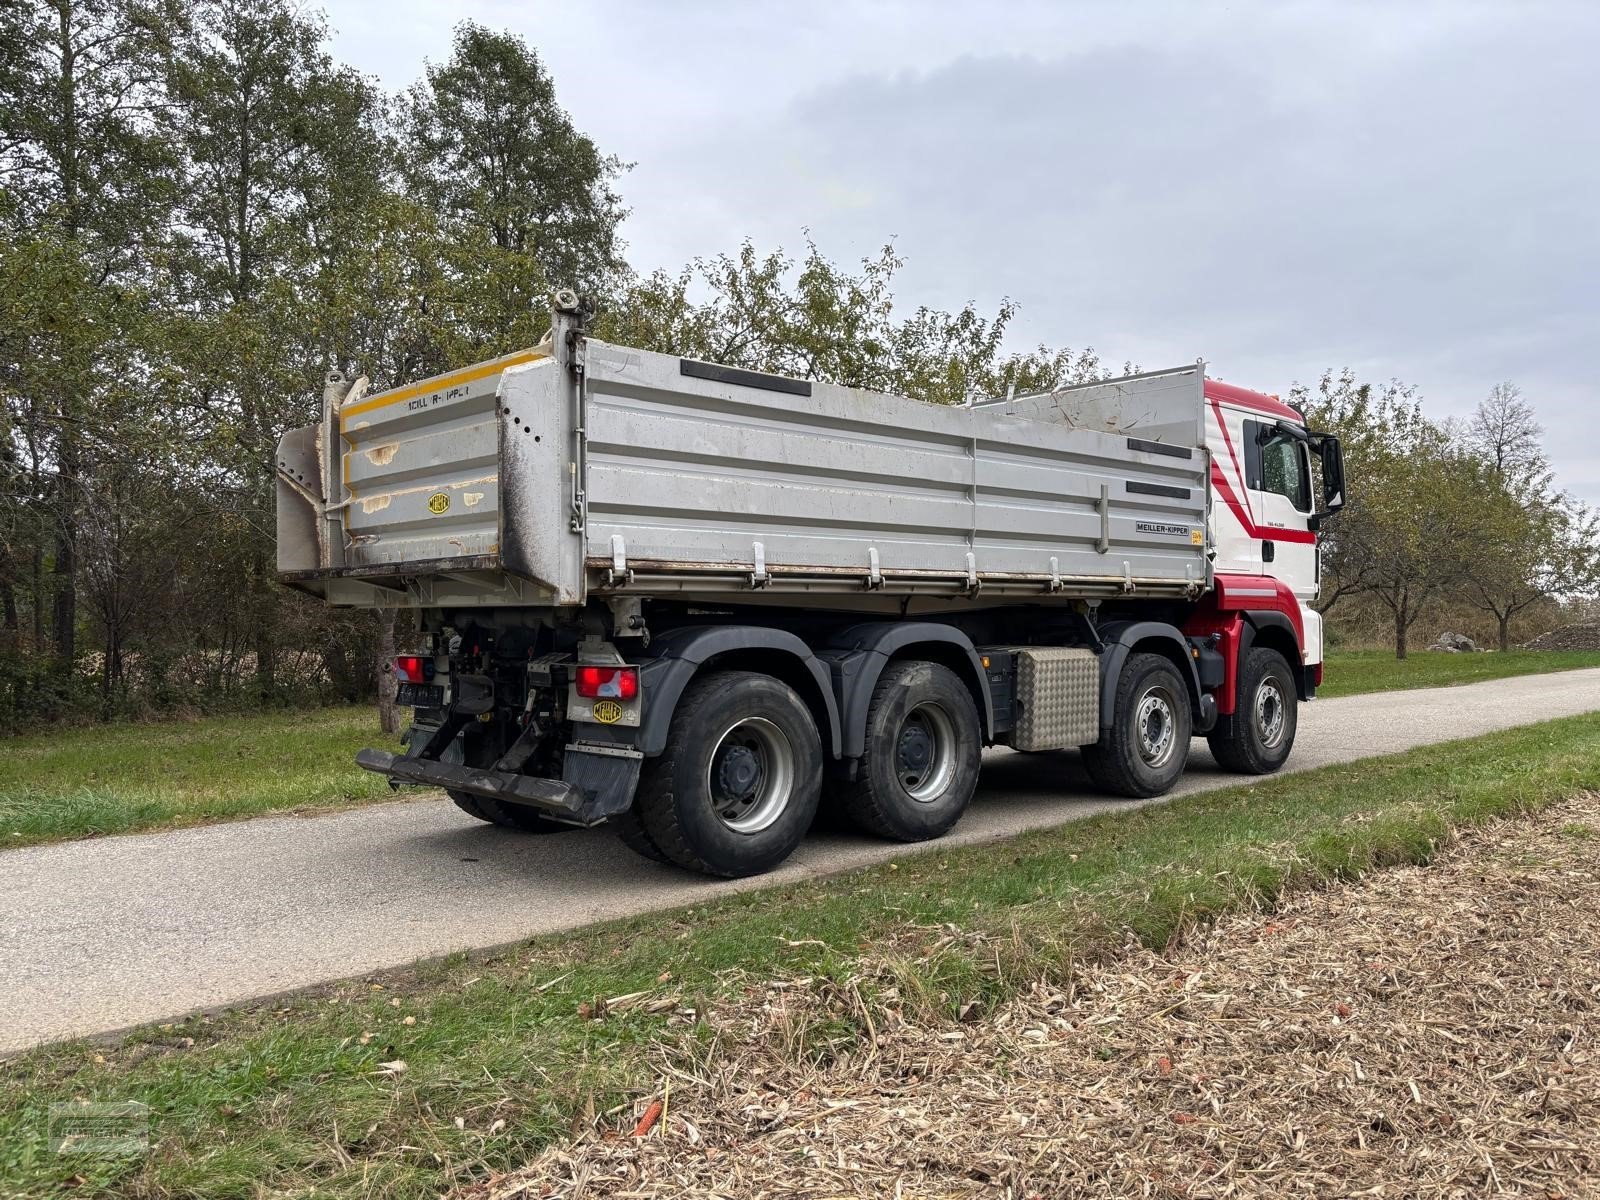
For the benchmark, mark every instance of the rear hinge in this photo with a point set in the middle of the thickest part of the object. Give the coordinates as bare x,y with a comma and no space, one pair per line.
619,575
874,571
1055,576
758,572
974,584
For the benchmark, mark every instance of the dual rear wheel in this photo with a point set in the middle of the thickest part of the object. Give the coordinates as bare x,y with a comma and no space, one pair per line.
740,780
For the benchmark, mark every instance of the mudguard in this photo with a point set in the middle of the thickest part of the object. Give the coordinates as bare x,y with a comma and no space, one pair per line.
1120,637
675,657
859,653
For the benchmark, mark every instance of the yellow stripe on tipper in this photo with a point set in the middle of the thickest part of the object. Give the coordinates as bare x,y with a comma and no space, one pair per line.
440,382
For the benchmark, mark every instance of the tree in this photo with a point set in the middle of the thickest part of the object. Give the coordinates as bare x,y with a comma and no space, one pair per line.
1504,431
1418,506
1538,543
818,320
276,140
79,87
502,163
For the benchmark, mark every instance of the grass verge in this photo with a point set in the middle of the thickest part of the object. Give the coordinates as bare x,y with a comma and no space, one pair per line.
409,1084
117,778
1351,672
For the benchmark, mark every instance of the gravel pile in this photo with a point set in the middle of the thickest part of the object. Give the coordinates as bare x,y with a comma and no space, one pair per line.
1584,635
1428,1033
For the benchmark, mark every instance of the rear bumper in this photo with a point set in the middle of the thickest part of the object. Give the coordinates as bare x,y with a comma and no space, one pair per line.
603,783
552,795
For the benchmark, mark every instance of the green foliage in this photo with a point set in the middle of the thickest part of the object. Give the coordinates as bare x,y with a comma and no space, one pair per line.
494,154
817,320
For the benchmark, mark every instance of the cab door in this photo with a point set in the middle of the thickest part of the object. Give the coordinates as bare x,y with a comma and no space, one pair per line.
1278,475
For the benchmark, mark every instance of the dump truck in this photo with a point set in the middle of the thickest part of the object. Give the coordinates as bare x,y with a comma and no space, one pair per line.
697,602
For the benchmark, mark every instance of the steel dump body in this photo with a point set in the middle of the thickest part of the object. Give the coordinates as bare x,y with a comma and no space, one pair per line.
600,471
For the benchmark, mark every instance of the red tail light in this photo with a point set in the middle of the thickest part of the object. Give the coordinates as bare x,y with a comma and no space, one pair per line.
408,668
608,683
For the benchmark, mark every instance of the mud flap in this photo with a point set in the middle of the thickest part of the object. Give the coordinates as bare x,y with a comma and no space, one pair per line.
607,776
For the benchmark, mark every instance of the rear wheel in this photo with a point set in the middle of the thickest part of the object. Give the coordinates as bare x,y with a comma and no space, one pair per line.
1146,748
510,816
737,785
630,828
920,762
1255,739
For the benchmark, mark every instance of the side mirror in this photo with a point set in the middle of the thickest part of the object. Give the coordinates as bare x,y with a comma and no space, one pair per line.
1333,499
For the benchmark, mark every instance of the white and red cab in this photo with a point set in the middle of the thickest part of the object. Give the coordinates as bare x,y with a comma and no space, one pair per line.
1263,530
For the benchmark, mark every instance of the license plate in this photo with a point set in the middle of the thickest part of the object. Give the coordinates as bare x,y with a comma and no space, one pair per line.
420,695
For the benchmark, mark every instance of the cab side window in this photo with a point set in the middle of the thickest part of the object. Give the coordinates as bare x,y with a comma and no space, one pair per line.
1278,464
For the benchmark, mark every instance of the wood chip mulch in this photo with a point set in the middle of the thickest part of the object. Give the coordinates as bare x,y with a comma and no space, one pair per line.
1427,1032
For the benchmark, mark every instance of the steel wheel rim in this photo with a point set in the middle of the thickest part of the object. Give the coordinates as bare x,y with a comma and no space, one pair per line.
1156,724
1271,713
925,753
750,775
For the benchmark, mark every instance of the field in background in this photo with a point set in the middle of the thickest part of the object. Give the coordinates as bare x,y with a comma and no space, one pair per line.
80,782
116,778
1350,672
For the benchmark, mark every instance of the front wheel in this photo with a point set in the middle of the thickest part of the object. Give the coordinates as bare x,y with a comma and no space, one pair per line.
737,785
1255,739
1146,748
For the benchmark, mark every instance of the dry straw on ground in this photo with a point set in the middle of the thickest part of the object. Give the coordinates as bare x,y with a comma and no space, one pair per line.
1429,1032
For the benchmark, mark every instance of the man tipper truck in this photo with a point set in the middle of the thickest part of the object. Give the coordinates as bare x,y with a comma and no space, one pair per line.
696,601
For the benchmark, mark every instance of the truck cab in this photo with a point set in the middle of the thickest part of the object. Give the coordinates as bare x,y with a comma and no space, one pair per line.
1264,516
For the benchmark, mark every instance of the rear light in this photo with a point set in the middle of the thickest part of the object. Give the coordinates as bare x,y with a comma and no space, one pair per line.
608,683
412,668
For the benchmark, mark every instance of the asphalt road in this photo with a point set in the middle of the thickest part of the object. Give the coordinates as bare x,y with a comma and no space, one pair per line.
98,935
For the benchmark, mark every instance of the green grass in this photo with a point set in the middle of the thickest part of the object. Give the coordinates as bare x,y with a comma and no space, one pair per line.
1350,672
287,1098
116,778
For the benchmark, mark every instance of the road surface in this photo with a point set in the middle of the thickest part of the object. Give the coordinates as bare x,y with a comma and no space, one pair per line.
101,934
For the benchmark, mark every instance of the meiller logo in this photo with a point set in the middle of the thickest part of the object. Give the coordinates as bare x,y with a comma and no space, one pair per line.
1162,529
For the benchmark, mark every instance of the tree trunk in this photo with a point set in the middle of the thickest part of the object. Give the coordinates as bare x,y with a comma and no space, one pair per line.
388,711
64,616
38,598
1505,633
1401,626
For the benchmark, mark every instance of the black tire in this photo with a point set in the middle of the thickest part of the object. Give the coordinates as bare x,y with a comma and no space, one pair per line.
761,742
1255,739
923,748
630,828
510,816
1146,748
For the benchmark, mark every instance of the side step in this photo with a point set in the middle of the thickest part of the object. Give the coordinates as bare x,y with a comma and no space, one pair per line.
553,795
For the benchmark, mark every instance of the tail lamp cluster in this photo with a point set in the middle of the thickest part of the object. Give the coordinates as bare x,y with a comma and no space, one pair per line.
607,683
594,683
413,668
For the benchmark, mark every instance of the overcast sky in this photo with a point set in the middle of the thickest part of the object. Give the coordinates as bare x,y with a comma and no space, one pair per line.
1412,190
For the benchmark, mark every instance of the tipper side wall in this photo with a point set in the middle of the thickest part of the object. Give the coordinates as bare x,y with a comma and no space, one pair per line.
607,470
